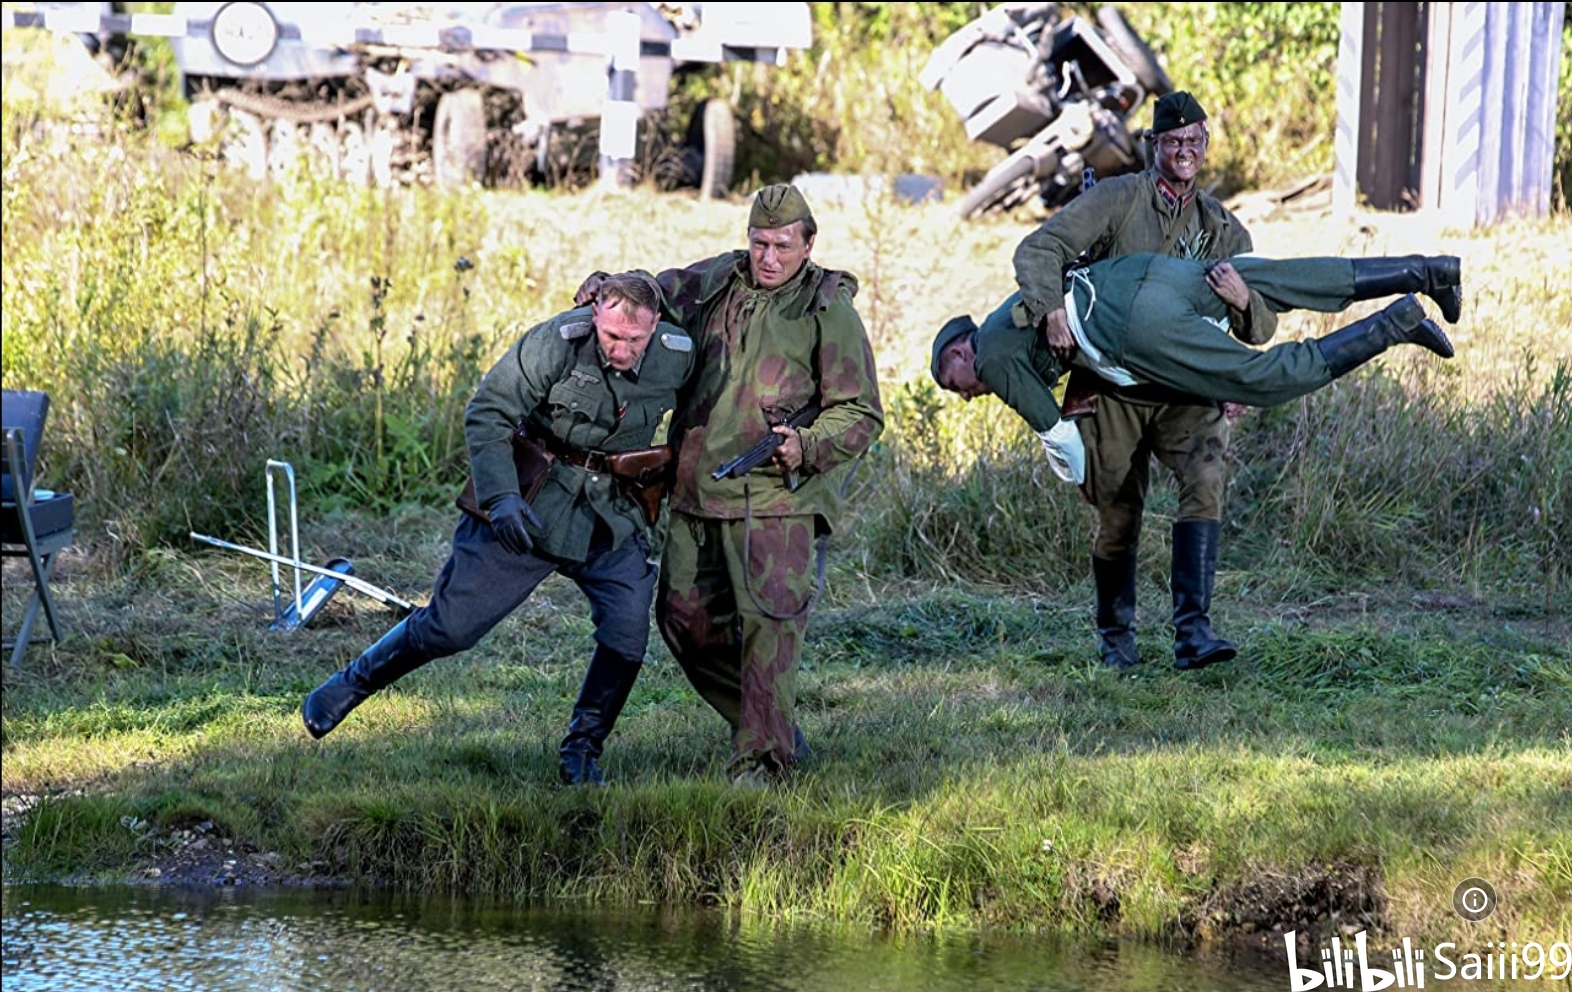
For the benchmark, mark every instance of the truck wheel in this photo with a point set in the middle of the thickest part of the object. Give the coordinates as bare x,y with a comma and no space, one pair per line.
204,119
244,143
458,139
1002,187
713,135
1135,52
283,148
354,154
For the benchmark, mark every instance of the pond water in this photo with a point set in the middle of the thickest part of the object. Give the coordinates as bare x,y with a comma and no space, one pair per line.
66,939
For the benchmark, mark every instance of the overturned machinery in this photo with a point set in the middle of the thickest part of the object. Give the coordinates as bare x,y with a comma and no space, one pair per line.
1056,91
498,93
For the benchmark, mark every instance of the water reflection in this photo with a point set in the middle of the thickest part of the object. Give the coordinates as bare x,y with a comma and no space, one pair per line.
64,939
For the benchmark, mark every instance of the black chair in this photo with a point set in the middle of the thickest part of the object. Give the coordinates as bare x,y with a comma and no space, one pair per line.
36,523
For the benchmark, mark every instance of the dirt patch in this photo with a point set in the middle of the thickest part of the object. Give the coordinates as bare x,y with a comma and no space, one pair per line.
202,855
1317,904
196,855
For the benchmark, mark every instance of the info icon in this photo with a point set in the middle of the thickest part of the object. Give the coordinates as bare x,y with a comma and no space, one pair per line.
1474,899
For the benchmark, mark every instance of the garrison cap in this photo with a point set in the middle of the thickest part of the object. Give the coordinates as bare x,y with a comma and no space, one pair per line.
954,328
779,205
1175,110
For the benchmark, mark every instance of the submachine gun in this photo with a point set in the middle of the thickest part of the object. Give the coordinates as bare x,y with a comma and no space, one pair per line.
765,447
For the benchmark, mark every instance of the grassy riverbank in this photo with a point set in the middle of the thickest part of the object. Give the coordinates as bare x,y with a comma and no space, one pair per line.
1395,568
972,766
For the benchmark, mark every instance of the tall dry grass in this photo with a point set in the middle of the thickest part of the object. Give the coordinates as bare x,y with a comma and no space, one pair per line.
1395,568
191,324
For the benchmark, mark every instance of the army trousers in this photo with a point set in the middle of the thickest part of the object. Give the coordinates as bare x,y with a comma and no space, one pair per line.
482,582
733,607
1156,317
1122,438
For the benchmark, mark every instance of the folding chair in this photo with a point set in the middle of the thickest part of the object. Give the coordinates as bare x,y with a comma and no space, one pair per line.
35,523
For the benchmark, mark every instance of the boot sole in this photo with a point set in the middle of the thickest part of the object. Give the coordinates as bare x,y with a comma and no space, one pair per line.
1430,335
1215,658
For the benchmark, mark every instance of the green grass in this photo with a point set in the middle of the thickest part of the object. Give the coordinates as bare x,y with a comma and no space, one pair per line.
972,768
1394,567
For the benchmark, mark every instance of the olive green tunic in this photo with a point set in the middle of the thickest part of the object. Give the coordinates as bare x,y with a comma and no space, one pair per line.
1156,317
1126,215
556,379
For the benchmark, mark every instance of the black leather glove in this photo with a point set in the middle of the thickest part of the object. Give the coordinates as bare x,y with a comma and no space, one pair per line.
507,523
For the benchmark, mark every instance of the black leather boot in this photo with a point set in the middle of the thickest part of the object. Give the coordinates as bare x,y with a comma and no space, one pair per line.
1194,572
606,687
1115,578
799,745
1439,277
379,666
1347,348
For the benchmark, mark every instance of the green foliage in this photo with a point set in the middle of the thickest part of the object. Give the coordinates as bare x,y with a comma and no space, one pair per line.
1266,73
1563,165
1398,478
970,771
852,103
149,300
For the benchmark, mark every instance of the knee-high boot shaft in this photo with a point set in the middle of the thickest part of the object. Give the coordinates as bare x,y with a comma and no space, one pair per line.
1347,348
1115,579
1194,573
605,691
1439,277
378,667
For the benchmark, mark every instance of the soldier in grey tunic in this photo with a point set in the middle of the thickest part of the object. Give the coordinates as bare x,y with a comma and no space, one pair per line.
1156,319
591,382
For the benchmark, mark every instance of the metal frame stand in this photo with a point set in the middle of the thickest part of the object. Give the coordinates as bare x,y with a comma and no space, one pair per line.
337,573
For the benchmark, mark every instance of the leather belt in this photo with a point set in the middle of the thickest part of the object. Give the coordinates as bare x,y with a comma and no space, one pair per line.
590,461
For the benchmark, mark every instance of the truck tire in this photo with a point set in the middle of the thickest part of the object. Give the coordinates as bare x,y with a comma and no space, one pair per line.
204,119
713,134
1134,51
1001,186
354,153
458,139
244,143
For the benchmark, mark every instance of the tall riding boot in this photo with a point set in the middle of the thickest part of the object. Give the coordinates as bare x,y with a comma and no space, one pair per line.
1194,572
1115,578
378,667
1439,277
606,687
1347,348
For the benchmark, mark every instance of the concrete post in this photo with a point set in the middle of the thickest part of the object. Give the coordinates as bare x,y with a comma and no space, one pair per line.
620,119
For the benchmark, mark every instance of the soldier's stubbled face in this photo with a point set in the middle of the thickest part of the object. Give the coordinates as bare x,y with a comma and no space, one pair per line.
776,254
958,373
1181,153
624,331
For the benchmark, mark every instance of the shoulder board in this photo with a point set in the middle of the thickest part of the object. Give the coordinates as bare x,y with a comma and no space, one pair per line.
676,342
575,329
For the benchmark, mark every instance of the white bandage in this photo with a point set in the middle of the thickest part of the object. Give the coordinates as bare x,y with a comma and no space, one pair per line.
1065,450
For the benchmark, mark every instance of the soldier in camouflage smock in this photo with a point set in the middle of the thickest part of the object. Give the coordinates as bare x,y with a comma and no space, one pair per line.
738,574
1160,210
588,382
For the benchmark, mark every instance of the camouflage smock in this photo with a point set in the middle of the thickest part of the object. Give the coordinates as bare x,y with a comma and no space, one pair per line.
556,378
762,355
